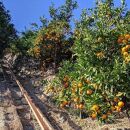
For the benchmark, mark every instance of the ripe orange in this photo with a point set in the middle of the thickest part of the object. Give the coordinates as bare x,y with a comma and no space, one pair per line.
80,85
66,76
127,47
66,85
127,36
116,99
81,106
95,108
76,99
61,105
124,41
100,54
121,104
65,79
118,109
94,115
124,49
49,46
98,111
89,91
125,54
121,37
113,108
77,106
73,90
65,103
104,116
88,81
109,113
119,40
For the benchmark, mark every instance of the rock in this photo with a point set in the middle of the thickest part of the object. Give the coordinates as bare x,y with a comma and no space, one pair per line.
105,128
9,116
4,128
18,102
24,102
62,120
23,69
14,85
28,116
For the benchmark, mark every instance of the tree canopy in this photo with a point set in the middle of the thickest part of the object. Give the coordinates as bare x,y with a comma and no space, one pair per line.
7,30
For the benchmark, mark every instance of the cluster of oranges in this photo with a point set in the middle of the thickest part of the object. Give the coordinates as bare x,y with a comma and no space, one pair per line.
64,103
38,39
37,51
53,36
46,42
124,40
66,82
76,92
96,111
125,53
50,39
119,105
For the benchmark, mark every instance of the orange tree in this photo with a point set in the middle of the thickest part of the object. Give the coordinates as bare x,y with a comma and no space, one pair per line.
51,42
54,38
97,82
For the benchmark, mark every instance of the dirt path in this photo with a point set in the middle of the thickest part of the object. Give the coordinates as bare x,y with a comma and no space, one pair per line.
9,119
15,113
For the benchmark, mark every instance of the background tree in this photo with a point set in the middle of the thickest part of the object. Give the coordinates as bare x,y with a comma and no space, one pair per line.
54,38
65,12
7,30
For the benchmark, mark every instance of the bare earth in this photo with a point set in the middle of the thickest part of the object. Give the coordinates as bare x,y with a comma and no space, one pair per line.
9,119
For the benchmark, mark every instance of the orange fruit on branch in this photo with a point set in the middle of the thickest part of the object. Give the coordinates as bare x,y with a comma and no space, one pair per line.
65,79
119,40
127,47
81,106
116,99
80,85
104,116
89,91
127,36
61,105
121,104
124,41
109,112
66,85
124,49
76,99
94,115
88,81
118,109
113,108
64,103
125,54
95,108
